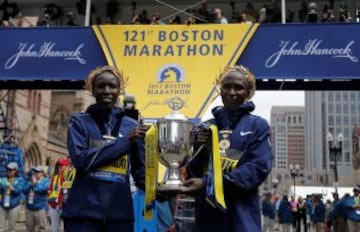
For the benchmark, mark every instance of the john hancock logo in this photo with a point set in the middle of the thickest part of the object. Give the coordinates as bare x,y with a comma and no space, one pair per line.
171,73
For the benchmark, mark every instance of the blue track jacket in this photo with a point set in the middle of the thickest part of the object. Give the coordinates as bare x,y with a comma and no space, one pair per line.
15,194
351,212
95,193
268,209
251,137
40,190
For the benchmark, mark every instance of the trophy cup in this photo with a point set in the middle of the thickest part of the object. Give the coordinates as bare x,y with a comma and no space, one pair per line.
174,144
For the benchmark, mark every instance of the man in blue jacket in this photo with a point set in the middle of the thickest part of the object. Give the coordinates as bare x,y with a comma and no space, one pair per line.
353,210
337,214
268,211
11,188
36,191
317,213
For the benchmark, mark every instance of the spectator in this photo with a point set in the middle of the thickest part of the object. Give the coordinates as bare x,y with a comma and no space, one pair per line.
175,20
135,19
301,215
11,188
285,215
328,15
268,211
156,20
245,19
337,214
308,203
5,23
55,196
353,208
303,11
312,16
44,21
327,223
294,212
318,213
277,202
219,17
69,176
143,18
36,190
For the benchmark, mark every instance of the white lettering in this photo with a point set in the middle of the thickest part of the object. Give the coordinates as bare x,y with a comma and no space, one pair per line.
311,48
46,50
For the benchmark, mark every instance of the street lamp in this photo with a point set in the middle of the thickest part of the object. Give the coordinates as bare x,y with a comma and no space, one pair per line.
334,149
294,172
275,183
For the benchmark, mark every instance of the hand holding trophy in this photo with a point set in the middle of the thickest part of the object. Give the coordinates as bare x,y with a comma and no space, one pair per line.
175,144
168,142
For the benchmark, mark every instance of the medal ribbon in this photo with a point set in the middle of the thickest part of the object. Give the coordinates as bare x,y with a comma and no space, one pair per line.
151,170
214,188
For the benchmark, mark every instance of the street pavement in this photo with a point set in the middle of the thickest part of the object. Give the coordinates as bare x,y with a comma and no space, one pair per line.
20,227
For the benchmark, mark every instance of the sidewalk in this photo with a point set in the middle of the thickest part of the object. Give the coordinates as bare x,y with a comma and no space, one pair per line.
20,227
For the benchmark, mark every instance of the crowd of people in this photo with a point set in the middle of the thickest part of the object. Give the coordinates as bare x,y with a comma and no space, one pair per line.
42,195
312,214
308,12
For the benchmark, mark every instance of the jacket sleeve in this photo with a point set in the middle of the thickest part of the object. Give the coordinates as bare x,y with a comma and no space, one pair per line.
42,186
256,162
82,154
18,186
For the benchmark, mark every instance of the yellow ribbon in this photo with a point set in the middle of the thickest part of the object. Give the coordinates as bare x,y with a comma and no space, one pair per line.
217,170
151,170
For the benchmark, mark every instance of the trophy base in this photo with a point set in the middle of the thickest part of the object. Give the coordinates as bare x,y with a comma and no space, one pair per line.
171,188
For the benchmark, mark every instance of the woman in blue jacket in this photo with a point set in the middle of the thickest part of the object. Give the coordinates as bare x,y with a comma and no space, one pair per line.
11,188
317,213
285,214
244,141
103,143
36,191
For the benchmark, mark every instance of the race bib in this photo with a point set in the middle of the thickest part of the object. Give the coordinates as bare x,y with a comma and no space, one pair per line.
7,200
115,171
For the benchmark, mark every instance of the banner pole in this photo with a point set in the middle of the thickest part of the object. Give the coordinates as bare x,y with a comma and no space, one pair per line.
87,13
283,11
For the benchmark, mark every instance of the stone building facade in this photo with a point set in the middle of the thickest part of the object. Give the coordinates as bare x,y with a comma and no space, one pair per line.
38,120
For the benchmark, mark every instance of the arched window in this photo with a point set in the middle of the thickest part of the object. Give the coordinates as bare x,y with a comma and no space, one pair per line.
33,156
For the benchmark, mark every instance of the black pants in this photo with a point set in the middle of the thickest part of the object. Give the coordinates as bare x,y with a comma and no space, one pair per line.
301,218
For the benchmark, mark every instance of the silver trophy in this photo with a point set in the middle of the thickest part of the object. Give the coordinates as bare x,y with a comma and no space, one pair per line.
175,145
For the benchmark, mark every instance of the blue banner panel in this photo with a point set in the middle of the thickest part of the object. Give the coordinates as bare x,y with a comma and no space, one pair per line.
304,51
57,53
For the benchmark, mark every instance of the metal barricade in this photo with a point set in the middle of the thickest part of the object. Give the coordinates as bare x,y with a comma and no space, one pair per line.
185,213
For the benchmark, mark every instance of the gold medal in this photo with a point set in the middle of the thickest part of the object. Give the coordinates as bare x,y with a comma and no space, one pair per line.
224,144
224,139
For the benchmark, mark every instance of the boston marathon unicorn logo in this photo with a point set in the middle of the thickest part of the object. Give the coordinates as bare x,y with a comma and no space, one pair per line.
171,73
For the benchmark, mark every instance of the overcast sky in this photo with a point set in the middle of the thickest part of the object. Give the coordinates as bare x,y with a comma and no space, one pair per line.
264,100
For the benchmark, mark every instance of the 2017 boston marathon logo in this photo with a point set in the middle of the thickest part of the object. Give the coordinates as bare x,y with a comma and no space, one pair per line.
170,81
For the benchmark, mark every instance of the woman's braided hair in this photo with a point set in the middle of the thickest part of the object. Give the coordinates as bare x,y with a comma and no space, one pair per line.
123,81
245,72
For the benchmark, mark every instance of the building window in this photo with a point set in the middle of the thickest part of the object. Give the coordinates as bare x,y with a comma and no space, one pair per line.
34,101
